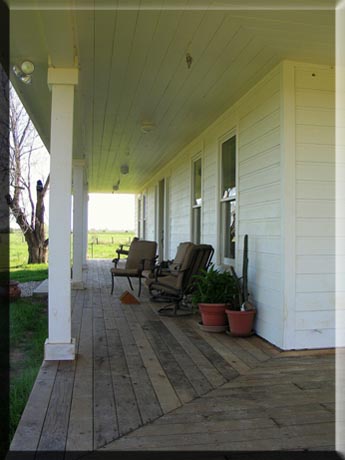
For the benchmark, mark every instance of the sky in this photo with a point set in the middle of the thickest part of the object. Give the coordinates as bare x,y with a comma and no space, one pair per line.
111,211
106,211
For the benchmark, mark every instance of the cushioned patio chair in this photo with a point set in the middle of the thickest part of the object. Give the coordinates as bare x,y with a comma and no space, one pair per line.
170,267
141,256
121,251
179,283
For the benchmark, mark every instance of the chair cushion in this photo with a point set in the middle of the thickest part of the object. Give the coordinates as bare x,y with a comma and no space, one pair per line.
125,271
182,251
166,283
139,250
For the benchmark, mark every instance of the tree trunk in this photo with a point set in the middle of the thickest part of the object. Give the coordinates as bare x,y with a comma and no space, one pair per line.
34,237
38,254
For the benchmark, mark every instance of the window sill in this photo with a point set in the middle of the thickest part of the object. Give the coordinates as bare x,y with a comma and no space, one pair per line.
224,200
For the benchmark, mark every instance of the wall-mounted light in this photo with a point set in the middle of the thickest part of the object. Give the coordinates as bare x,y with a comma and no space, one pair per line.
124,169
24,72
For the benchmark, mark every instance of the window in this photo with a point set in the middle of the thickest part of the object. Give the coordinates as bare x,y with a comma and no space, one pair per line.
228,200
144,216
196,201
139,216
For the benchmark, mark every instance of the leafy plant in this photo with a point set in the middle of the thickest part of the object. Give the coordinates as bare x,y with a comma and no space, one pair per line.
214,286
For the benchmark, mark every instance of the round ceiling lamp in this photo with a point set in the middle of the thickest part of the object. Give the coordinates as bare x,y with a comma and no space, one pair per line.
24,72
27,67
124,169
147,127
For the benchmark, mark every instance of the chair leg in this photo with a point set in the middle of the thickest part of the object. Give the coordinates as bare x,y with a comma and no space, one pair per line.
173,309
112,284
130,282
139,292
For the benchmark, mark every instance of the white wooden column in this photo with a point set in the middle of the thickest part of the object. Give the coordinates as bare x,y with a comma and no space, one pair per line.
59,344
85,224
78,223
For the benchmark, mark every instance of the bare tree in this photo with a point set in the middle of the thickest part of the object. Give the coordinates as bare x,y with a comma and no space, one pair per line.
27,209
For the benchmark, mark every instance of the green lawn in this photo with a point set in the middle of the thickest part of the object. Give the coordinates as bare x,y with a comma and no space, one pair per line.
28,331
101,245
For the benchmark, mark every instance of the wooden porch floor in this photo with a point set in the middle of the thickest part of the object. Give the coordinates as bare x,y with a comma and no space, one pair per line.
145,382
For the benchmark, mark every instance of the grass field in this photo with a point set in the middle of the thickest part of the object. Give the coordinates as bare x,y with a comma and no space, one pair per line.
28,331
101,245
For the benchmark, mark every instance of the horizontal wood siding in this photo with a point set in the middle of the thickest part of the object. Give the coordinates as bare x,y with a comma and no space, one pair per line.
256,120
259,192
150,218
179,205
315,206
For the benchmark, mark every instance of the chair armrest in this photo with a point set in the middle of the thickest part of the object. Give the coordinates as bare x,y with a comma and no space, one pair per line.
152,264
116,261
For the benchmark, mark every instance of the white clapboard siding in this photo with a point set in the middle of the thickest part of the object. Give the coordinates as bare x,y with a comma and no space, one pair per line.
259,192
150,216
179,205
308,301
315,338
313,208
319,246
257,121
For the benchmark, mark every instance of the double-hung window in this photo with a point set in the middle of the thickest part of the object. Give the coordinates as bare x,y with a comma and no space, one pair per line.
144,235
228,199
196,201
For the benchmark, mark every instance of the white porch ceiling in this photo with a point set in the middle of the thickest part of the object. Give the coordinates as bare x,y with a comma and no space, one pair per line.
133,69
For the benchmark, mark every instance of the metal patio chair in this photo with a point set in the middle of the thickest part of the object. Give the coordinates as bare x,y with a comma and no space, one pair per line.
177,285
141,256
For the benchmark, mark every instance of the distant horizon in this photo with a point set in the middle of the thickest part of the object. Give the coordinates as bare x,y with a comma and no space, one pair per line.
105,212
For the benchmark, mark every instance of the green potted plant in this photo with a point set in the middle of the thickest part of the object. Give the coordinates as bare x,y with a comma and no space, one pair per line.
240,311
214,291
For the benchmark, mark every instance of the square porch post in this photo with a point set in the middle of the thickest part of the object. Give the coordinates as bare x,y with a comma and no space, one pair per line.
85,224
59,344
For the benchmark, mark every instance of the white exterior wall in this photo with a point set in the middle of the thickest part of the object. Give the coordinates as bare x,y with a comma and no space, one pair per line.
259,198
315,206
179,205
285,184
150,203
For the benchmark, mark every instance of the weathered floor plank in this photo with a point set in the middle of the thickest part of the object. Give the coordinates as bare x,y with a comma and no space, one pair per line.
141,381
105,419
80,429
165,392
146,398
29,430
206,367
55,428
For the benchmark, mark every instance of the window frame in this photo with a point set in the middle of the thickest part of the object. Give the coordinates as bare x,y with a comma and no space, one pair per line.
222,201
196,209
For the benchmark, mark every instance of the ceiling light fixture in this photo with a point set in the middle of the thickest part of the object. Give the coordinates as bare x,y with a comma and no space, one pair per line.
147,127
24,72
124,169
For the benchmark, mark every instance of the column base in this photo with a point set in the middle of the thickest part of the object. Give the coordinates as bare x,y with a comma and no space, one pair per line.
59,351
78,285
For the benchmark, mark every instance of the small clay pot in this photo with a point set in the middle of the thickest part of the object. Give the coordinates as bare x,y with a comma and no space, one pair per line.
14,291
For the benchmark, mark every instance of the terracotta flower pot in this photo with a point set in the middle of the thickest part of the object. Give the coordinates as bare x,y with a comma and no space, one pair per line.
14,290
241,322
213,314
